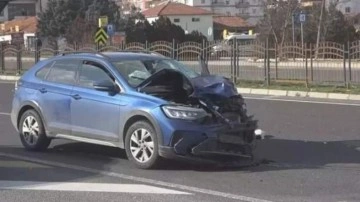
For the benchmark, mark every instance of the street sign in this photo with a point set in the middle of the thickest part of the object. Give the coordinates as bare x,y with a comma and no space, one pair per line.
110,29
101,36
103,21
302,17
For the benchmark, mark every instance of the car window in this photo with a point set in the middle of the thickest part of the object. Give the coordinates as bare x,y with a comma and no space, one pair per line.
63,71
41,74
137,71
92,72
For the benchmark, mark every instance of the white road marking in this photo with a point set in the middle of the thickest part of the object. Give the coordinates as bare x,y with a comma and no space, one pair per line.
138,179
4,113
86,187
302,101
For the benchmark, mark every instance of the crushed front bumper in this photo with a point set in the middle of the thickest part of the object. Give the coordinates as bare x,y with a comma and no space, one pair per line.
223,144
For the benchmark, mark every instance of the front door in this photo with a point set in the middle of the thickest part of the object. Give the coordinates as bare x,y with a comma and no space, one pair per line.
94,114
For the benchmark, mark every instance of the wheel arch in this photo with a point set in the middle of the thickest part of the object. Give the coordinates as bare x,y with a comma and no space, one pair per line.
28,106
142,116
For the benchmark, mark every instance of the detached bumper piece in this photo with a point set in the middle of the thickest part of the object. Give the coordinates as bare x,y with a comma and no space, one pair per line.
212,148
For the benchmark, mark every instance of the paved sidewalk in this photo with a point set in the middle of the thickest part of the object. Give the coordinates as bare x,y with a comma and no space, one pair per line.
271,92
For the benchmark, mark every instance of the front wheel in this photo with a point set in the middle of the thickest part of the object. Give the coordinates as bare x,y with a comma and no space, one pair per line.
141,145
32,132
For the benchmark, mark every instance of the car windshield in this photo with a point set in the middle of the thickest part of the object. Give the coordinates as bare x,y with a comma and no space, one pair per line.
137,71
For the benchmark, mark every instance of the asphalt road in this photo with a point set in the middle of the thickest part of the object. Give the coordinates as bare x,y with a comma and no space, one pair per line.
311,153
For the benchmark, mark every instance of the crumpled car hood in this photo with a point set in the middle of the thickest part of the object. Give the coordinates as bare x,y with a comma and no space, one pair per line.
204,86
210,85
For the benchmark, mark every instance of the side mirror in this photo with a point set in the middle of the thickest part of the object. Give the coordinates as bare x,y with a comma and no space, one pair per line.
105,85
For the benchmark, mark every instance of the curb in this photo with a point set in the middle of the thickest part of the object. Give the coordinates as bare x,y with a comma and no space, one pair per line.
9,78
258,91
299,94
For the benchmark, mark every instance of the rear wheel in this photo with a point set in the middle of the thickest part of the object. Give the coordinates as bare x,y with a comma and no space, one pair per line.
141,145
32,132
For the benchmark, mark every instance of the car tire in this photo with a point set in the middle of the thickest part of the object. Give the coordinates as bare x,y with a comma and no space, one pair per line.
32,132
140,141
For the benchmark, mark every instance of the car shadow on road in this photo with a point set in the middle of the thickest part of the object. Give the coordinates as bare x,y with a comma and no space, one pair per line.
272,154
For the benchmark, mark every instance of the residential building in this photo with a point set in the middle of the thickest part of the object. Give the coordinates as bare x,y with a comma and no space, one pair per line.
15,8
251,10
187,17
20,31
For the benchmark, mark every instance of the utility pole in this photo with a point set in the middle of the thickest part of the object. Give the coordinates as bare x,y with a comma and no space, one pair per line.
319,28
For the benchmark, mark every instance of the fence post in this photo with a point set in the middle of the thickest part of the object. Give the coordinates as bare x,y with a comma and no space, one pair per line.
177,51
122,45
233,62
237,59
2,58
18,59
311,64
268,63
265,59
349,55
146,45
173,49
344,65
306,67
276,62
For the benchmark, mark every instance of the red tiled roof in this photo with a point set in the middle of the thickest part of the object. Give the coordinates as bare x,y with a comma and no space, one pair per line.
26,25
230,21
172,8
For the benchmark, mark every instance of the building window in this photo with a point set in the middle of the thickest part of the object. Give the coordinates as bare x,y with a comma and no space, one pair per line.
202,1
177,20
227,2
254,10
347,10
21,9
195,19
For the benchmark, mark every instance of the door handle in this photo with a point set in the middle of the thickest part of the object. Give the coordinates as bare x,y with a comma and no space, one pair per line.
42,90
76,96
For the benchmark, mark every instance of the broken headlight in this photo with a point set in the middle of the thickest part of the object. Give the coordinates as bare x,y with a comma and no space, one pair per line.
182,112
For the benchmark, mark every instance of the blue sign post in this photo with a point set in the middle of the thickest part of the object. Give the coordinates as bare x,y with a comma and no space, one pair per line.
110,29
302,18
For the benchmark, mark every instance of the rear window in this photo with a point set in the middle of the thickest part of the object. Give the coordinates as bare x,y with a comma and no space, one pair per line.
63,71
42,73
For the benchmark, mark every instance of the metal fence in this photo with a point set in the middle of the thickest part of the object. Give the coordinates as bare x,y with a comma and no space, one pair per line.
329,63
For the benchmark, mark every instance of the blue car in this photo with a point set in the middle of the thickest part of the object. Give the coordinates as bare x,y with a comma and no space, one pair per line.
152,106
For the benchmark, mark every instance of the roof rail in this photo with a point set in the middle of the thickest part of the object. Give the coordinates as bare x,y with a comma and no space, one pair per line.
82,52
143,51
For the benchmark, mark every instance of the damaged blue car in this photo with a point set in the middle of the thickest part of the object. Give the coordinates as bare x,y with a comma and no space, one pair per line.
152,106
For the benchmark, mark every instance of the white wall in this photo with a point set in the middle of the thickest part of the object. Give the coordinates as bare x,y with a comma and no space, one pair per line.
253,10
186,23
206,22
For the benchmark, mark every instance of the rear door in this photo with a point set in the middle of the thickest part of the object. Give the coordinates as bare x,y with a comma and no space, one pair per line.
55,95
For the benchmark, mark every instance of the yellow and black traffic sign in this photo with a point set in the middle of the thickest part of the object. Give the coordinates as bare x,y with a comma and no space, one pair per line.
101,37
